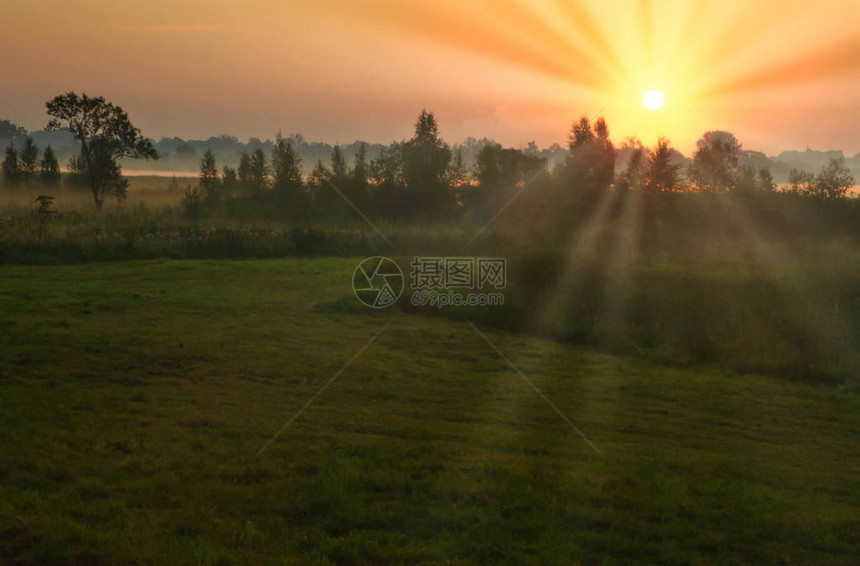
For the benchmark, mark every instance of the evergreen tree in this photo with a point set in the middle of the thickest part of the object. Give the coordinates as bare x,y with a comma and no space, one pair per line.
361,171
590,165
635,173
338,166
663,174
259,171
229,181
244,173
29,160
425,162
49,172
358,180
210,185
11,168
286,167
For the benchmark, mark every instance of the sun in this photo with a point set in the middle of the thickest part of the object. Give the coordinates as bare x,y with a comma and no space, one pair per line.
653,99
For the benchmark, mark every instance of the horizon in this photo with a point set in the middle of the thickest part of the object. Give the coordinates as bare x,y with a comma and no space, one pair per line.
453,143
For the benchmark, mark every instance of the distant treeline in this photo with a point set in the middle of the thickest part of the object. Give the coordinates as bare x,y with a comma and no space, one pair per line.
423,178
178,154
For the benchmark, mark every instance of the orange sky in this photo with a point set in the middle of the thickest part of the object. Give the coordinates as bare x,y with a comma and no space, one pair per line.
780,75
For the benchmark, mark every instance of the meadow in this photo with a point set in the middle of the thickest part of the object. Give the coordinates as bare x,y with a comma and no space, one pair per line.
136,396
757,285
702,347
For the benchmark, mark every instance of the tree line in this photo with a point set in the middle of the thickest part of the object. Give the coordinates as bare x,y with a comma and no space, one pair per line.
424,177
25,167
420,178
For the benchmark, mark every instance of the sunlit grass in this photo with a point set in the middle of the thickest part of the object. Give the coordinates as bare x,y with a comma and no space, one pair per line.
133,396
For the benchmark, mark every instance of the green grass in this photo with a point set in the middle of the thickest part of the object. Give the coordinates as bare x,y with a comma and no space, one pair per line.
133,397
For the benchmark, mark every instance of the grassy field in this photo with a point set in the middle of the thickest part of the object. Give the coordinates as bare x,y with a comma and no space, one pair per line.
134,397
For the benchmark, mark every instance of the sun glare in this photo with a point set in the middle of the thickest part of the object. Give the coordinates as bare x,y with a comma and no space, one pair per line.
653,99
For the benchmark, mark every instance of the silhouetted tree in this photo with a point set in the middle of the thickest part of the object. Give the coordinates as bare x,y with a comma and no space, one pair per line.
29,160
287,175
765,180
748,180
590,165
801,182
457,173
580,134
635,173
49,173
663,173
286,166
229,181
500,172
387,169
192,201
360,174
338,166
390,197
259,170
245,177
106,135
425,162
833,181
320,174
715,162
210,184
11,168
360,171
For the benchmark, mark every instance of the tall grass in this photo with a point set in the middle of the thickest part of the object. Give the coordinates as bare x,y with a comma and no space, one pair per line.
762,285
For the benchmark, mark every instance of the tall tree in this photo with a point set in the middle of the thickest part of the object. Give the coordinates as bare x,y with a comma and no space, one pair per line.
286,167
11,168
106,135
360,169
29,160
390,197
715,162
636,171
663,173
210,184
834,180
229,181
457,173
425,162
358,181
338,166
500,172
49,172
591,161
244,173
259,170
